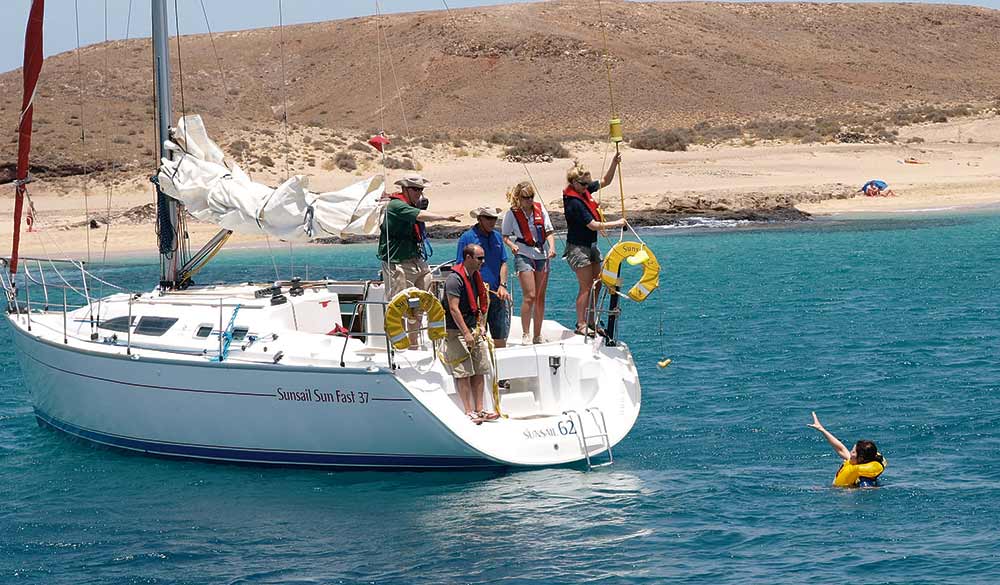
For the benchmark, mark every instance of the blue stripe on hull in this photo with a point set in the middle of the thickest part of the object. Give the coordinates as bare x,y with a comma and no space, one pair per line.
262,456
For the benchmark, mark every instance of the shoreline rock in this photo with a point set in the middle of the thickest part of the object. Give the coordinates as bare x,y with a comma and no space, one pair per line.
645,218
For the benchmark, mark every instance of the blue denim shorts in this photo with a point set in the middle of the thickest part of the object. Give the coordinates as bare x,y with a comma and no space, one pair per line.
525,264
498,319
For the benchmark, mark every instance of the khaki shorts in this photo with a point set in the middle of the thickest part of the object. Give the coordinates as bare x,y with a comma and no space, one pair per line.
463,363
582,256
403,275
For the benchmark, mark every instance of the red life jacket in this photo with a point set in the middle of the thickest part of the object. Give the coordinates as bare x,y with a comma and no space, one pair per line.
587,199
522,223
479,302
419,229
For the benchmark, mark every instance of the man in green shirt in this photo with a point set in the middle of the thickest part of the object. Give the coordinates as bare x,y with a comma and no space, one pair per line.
401,241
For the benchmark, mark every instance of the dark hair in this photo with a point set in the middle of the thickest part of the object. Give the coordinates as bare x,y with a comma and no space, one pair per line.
867,451
469,250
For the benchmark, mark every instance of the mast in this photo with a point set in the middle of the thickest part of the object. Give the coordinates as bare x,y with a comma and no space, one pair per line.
169,212
32,67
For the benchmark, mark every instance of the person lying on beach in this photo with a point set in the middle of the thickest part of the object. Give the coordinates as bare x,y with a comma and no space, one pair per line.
862,465
877,188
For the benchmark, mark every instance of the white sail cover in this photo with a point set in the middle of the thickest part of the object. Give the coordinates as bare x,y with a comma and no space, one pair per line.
212,192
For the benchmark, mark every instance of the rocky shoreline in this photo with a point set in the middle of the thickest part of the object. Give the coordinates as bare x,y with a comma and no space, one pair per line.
670,216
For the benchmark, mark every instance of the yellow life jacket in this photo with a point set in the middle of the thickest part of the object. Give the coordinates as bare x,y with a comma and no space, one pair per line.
862,474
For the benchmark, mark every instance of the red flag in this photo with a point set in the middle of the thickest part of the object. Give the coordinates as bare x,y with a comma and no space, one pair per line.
378,142
32,67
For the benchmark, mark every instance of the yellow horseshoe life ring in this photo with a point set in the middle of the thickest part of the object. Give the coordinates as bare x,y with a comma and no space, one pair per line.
634,253
404,304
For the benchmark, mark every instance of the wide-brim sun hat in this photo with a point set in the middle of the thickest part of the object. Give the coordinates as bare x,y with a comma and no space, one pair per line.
413,180
485,211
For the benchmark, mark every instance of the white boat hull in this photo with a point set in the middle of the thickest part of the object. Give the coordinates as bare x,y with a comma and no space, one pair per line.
307,415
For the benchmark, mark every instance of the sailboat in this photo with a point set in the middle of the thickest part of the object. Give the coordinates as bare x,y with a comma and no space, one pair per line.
296,372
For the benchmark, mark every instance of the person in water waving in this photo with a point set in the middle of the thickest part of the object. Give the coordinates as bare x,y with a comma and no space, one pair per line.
862,465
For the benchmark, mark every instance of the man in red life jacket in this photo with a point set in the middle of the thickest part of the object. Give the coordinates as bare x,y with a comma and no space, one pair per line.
401,241
466,350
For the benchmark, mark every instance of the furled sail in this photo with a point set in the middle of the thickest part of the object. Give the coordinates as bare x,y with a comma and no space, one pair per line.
213,192
32,68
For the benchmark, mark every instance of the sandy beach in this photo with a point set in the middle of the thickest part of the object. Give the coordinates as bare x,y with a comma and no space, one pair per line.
954,167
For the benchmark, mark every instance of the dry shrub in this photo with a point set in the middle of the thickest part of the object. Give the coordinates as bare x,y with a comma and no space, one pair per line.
536,150
506,139
400,163
239,147
360,146
345,161
265,161
668,140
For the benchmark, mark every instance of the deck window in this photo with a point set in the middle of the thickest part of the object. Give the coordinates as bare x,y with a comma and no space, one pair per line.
119,324
204,331
154,326
240,333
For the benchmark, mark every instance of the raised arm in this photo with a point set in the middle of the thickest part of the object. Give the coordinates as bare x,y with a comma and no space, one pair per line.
839,447
425,215
610,175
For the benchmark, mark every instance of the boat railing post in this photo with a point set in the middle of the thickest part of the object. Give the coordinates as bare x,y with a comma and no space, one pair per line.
221,332
128,327
45,287
27,296
86,289
86,295
65,336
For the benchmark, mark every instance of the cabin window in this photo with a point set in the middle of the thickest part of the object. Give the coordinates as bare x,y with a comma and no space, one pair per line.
240,333
119,324
204,331
154,326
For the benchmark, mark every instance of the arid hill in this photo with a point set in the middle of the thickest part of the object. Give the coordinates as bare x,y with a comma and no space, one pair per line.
534,68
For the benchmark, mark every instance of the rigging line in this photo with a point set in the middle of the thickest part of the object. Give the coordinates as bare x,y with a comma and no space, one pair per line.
180,64
395,81
611,95
284,97
107,145
284,115
181,243
270,252
378,51
218,60
606,58
107,223
451,17
83,129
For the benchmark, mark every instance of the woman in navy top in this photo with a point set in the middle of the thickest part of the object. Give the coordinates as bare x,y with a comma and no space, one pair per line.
583,220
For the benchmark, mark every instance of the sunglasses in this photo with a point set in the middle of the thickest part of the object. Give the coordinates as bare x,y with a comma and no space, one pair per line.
527,196
480,258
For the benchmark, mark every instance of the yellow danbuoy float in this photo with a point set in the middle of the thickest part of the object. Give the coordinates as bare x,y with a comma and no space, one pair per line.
664,363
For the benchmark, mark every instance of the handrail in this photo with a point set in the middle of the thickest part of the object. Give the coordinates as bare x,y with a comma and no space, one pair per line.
128,327
45,289
65,336
350,334
27,300
6,259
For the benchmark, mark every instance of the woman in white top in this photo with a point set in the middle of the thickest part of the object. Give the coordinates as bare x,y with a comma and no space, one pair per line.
527,231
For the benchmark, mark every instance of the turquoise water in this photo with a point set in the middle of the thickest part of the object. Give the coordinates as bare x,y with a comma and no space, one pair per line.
888,328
